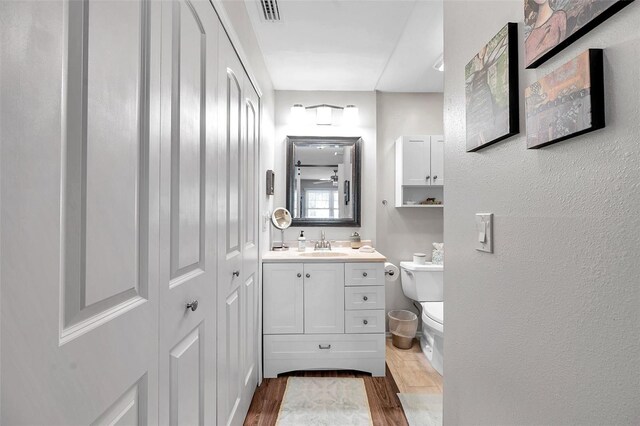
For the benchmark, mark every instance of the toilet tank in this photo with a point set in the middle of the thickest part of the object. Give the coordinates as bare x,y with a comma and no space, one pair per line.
422,283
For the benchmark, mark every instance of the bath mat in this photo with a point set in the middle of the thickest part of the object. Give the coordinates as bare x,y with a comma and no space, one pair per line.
422,409
320,401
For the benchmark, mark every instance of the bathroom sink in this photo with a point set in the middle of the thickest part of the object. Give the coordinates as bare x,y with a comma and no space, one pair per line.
322,254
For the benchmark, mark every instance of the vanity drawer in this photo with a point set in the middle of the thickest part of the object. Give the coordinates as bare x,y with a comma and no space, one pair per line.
369,321
322,346
364,274
362,352
364,297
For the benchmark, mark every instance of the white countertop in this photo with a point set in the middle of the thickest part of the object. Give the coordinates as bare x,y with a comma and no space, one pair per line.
339,255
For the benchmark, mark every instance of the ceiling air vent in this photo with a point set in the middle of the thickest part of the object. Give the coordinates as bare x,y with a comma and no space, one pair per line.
270,10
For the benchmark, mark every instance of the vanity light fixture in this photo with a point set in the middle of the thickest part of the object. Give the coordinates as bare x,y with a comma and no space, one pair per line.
298,113
324,113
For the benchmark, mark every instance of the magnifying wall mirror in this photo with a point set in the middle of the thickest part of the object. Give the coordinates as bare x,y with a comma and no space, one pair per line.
281,219
323,180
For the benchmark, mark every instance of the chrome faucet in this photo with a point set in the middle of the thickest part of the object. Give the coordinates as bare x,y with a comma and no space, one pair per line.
323,244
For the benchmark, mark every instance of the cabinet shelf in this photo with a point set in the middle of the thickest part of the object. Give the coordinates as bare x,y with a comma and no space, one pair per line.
423,205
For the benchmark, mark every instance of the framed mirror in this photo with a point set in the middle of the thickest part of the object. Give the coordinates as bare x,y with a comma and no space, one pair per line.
323,180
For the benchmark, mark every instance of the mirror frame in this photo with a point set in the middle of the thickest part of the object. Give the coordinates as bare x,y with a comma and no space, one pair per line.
356,141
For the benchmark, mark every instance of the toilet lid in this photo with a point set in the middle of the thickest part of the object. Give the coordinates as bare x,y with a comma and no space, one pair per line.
434,310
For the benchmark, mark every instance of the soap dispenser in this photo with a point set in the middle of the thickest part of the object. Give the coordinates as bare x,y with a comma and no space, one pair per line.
356,242
302,242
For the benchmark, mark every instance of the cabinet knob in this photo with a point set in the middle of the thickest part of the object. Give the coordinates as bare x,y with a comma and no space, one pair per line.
308,275
365,298
192,305
299,275
427,178
364,274
365,322
435,177
236,273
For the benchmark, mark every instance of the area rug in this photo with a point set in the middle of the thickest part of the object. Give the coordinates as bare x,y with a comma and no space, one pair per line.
422,409
320,401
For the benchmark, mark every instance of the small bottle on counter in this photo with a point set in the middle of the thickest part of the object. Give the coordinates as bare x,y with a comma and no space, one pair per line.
302,242
356,242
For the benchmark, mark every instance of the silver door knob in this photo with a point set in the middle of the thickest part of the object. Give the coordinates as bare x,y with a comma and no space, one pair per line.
236,273
364,274
365,322
308,275
365,298
299,275
192,305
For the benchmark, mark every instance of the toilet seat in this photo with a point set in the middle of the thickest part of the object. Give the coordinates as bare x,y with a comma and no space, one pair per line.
433,315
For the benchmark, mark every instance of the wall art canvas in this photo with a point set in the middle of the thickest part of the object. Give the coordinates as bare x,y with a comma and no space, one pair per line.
491,80
566,103
551,25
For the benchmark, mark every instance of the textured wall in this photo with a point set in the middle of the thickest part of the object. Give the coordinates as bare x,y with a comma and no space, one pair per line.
366,128
546,330
400,232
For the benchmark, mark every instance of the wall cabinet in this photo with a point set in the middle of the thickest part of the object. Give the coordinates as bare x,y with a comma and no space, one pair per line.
419,170
323,316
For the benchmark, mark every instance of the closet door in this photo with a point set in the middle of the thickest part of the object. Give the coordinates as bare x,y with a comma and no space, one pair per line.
231,275
80,165
188,213
250,266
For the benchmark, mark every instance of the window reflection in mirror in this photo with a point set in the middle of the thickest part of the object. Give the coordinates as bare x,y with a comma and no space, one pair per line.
323,180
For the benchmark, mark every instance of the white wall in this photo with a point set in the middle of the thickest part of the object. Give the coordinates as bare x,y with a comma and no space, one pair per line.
400,232
366,102
239,19
547,329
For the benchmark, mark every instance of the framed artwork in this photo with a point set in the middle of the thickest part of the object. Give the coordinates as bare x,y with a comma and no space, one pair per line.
491,90
566,103
552,25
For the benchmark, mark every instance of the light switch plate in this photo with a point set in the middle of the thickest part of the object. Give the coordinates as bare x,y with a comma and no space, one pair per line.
484,232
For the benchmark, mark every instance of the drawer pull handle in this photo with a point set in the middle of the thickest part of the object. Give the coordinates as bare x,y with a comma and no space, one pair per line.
365,298
365,322
324,347
364,274
299,275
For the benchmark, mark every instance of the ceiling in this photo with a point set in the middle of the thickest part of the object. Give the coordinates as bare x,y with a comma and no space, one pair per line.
387,45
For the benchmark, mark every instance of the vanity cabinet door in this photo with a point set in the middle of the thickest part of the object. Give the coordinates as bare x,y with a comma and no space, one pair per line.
283,298
323,298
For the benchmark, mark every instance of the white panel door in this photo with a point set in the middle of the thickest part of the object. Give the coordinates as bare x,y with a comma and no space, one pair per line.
437,160
80,166
416,161
231,277
250,265
323,298
188,213
283,298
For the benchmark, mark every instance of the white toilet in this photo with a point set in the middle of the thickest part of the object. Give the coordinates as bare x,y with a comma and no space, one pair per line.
424,284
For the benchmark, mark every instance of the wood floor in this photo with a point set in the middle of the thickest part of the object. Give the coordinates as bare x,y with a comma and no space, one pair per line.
408,371
411,370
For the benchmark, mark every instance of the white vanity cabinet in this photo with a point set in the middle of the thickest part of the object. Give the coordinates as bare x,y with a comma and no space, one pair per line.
323,315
